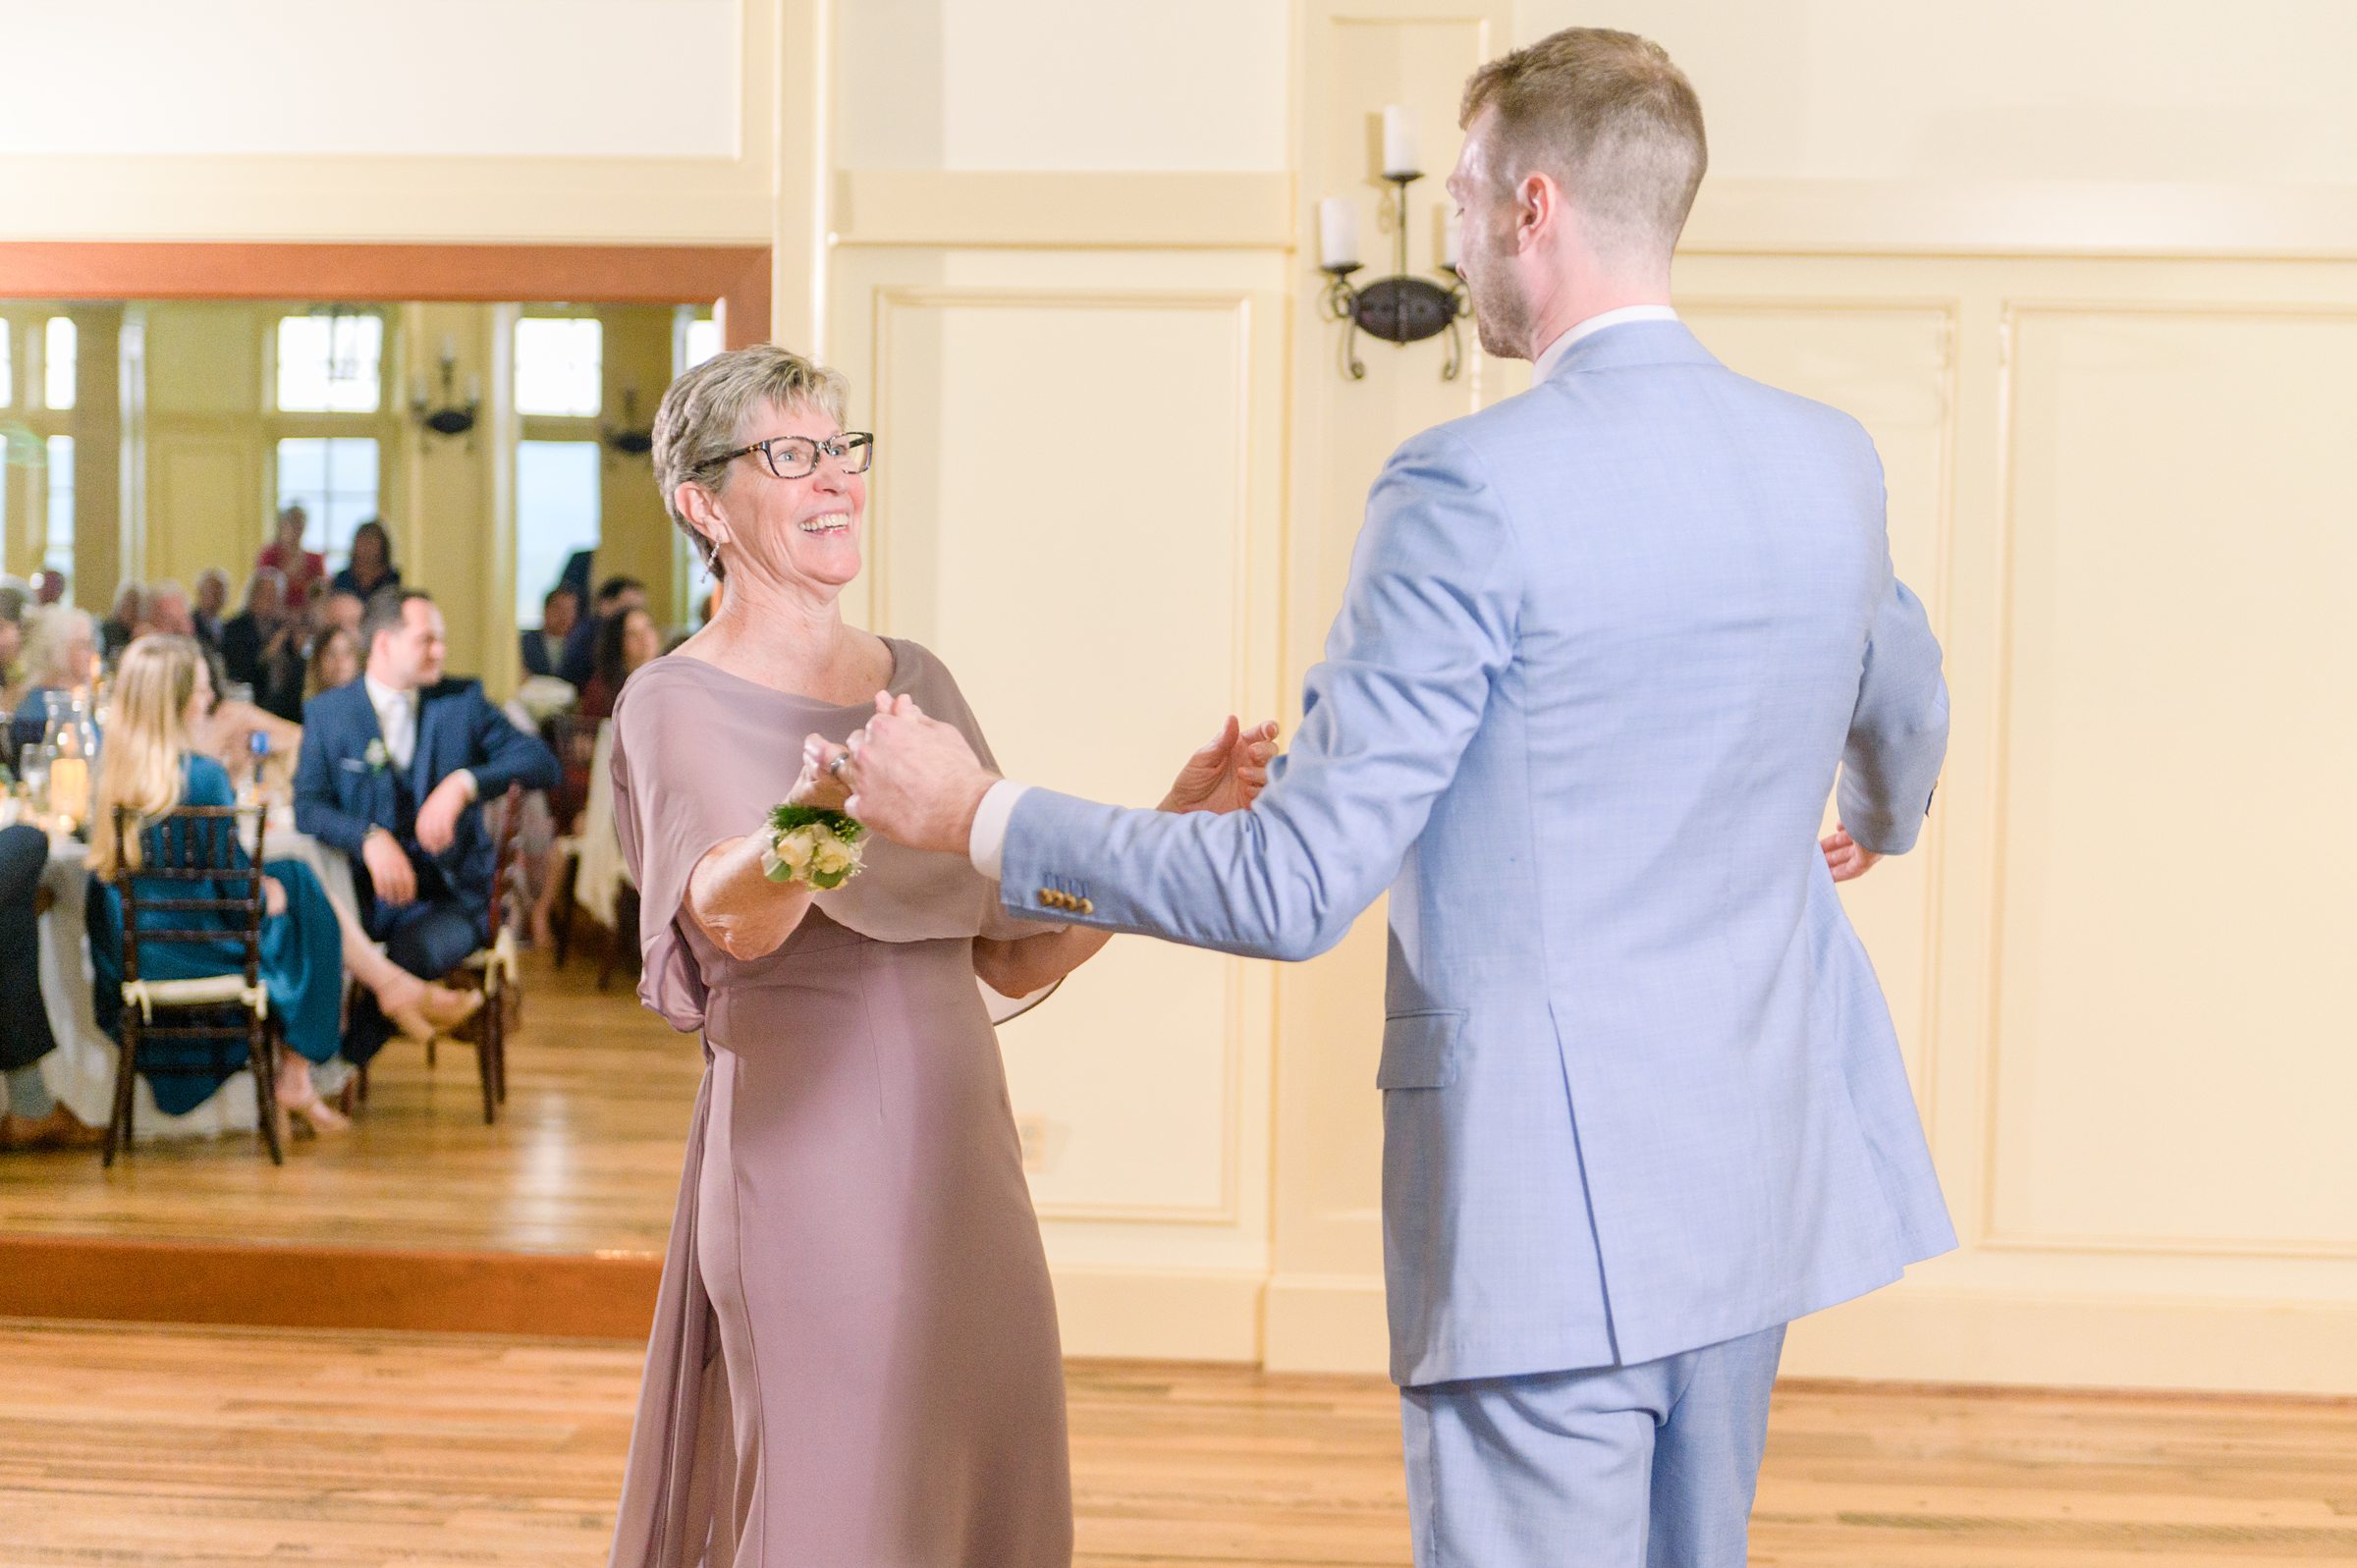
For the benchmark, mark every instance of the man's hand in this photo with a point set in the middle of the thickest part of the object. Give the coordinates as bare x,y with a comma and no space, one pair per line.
1844,856
438,818
1228,775
389,868
914,780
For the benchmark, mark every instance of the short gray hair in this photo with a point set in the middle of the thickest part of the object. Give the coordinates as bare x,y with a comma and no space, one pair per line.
705,410
48,631
1613,120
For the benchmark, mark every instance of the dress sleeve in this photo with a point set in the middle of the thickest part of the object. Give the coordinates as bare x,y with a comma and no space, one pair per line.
668,817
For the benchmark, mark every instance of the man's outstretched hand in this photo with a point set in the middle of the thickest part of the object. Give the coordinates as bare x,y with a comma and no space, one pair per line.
914,780
1228,775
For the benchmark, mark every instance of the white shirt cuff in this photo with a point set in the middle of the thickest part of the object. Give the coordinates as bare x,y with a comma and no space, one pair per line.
987,846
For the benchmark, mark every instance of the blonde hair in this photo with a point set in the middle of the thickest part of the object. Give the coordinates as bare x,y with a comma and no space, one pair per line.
143,759
704,412
1611,116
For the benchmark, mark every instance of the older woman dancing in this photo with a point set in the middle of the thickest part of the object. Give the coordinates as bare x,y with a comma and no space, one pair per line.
855,1357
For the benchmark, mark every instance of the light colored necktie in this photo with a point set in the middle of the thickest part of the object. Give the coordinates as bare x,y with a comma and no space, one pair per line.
401,737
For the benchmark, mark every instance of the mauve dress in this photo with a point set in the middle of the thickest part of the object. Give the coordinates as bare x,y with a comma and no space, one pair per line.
854,1361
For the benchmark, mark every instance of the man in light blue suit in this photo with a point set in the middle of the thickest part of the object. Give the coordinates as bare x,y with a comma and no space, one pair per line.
1606,649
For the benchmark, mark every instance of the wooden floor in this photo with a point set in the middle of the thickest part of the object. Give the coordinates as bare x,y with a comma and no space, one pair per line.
191,1448
585,1158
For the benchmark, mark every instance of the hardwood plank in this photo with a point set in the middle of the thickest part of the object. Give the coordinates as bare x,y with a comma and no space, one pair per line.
211,1447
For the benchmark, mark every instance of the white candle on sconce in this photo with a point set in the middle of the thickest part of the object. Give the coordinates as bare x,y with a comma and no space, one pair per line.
1399,141
419,389
1451,235
474,388
1337,232
450,348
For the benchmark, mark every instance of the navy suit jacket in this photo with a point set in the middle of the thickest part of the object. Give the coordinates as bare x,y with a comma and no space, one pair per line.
341,795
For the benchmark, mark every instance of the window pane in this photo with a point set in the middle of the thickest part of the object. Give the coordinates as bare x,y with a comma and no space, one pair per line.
8,367
555,514
57,554
331,364
558,365
334,479
703,341
57,362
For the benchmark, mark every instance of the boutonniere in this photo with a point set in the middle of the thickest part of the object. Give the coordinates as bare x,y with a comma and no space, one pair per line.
375,755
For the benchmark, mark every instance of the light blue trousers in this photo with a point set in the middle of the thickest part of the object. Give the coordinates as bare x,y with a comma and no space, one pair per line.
1651,1466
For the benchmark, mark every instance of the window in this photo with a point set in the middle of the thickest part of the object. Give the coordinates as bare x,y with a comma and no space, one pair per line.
57,363
699,343
560,367
331,364
57,554
8,368
555,514
334,479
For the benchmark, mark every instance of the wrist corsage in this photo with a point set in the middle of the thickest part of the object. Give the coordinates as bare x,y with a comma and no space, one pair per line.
808,844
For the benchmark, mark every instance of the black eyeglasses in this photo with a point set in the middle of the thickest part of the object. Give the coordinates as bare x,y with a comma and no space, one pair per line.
796,457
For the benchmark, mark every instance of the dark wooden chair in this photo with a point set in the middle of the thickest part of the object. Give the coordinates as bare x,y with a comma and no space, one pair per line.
493,968
194,858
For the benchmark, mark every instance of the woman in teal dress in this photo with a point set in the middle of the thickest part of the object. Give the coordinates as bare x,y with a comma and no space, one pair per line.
150,763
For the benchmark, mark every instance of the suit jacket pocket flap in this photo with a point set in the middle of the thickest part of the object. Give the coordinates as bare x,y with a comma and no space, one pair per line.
1419,1050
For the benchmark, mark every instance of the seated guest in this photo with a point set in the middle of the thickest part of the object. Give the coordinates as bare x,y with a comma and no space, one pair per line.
544,648
335,662
613,596
114,632
212,598
150,765
393,771
371,564
153,762
48,587
13,608
247,633
338,608
61,656
33,1119
285,553
625,642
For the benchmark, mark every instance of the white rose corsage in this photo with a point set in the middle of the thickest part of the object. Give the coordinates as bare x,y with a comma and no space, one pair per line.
375,756
808,844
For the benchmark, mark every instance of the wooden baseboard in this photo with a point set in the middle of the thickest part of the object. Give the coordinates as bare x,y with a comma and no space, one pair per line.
327,1287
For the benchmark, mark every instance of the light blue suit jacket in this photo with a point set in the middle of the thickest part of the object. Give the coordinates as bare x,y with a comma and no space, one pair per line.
1602,649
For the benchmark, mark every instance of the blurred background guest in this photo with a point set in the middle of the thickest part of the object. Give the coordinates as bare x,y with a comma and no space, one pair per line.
61,655
544,647
114,632
212,600
300,567
613,596
371,564
32,1118
48,587
335,662
16,603
244,635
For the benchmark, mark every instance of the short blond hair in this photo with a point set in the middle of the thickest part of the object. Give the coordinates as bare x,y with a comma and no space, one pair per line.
1611,116
704,412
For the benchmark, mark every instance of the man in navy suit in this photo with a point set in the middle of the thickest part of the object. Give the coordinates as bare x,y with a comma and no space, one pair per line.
394,767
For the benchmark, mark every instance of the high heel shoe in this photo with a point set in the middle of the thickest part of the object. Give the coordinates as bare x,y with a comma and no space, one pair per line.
413,1024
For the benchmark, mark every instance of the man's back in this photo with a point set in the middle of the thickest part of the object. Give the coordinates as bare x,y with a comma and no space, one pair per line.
1617,907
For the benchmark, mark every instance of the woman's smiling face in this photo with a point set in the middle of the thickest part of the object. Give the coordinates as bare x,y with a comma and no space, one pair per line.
799,530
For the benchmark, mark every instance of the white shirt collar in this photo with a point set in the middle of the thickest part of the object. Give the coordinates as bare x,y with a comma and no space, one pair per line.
382,696
1554,353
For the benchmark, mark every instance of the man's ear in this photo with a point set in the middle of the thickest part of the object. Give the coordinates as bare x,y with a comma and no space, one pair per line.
1539,206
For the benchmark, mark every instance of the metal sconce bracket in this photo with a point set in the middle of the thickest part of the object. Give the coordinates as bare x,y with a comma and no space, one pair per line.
1401,308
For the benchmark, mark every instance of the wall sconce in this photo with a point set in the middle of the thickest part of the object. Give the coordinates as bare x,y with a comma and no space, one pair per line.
451,417
1401,308
631,439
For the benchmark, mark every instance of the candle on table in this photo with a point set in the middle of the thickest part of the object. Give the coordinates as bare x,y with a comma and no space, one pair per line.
1337,232
1399,143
